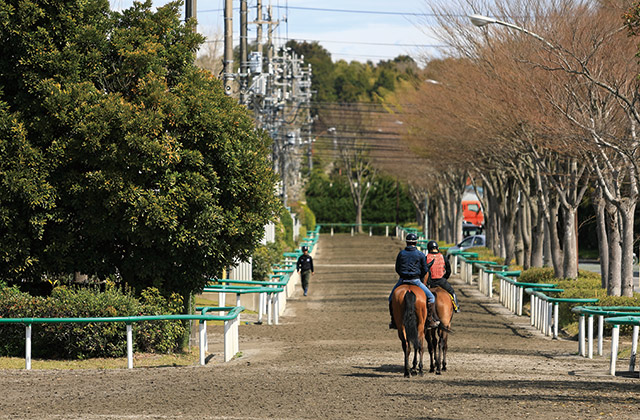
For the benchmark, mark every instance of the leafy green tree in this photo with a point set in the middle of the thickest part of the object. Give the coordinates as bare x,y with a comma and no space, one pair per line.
148,170
387,198
329,198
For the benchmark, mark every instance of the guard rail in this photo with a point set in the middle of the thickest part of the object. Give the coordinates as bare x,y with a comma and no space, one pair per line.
231,320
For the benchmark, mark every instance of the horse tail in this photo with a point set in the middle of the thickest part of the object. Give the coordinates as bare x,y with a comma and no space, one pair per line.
410,319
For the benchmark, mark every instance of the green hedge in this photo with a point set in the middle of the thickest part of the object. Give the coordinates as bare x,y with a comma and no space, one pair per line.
587,285
81,341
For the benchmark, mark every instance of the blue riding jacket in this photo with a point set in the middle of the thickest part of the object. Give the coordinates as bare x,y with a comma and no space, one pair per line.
411,264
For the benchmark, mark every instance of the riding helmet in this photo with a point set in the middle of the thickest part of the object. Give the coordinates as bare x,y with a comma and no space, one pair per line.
305,248
432,246
412,237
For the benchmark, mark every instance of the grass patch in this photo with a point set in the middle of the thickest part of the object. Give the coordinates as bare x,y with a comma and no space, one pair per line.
148,360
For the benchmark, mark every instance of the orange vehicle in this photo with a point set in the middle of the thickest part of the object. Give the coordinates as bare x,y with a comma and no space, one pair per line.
472,212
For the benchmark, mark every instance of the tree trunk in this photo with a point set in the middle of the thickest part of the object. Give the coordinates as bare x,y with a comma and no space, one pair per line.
627,216
547,254
526,233
554,241
537,235
509,238
570,243
519,242
601,230
614,277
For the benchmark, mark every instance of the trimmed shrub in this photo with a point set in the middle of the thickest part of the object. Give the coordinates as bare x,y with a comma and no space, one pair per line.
537,275
85,340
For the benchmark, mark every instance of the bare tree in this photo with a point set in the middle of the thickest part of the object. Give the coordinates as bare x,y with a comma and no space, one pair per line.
361,174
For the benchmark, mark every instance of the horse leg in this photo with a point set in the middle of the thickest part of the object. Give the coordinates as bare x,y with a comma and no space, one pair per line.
415,362
445,339
431,350
439,354
420,366
406,349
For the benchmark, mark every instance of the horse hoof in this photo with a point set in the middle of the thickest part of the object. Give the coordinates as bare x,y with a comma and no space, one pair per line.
438,373
444,369
431,370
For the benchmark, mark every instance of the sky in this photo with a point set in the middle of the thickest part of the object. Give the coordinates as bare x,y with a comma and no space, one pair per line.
359,30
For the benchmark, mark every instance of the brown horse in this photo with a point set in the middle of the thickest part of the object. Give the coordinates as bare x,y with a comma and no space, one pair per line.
410,314
437,337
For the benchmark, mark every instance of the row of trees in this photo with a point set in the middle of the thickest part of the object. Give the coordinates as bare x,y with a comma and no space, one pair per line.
119,157
538,122
352,132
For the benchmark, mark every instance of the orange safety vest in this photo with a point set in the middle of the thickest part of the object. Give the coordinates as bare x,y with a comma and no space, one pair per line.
438,268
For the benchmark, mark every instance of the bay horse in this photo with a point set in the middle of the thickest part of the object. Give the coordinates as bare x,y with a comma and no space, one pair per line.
437,337
409,305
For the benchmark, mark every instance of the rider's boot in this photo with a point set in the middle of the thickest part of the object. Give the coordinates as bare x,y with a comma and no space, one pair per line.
455,299
392,324
432,315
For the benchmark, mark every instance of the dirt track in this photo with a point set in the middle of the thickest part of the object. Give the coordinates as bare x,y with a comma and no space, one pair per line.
333,357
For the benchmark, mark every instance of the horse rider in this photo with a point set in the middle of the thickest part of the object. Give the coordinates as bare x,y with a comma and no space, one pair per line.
411,266
439,271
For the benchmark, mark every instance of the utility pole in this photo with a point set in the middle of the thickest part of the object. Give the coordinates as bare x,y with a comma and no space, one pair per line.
228,46
190,9
259,24
244,65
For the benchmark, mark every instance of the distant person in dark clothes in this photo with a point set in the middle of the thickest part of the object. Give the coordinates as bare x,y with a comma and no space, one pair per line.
439,271
305,268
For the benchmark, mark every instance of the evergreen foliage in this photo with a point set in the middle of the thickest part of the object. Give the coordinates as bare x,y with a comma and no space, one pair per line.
117,155
328,197
81,341
341,81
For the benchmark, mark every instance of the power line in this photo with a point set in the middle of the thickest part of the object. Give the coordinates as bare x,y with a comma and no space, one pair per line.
371,12
388,44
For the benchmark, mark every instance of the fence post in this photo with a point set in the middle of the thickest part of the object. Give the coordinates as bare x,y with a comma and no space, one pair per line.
581,335
634,348
27,349
520,300
202,340
228,341
386,231
615,336
600,333
490,285
129,346
556,319
532,309
590,336
261,306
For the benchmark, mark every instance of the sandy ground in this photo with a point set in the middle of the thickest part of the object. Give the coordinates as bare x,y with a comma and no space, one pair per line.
332,357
